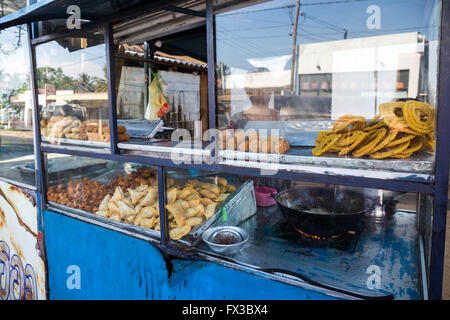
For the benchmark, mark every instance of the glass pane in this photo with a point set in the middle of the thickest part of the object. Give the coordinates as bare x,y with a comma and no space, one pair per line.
125,193
362,75
361,241
196,199
161,88
73,93
16,107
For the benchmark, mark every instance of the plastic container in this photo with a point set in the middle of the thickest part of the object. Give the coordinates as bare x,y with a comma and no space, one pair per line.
263,196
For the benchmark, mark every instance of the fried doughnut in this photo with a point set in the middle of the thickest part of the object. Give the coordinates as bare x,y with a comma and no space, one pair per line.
378,136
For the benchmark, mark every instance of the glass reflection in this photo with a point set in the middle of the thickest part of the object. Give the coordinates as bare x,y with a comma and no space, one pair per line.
16,107
330,62
73,96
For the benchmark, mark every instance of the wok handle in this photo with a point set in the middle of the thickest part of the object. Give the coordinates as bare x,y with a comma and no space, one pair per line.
320,285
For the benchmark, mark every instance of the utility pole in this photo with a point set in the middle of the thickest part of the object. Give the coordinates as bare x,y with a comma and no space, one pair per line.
294,45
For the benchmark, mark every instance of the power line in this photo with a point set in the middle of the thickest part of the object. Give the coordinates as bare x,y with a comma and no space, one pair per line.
293,6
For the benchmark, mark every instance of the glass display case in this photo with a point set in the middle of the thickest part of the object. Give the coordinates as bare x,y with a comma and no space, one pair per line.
16,108
72,86
361,242
359,94
315,143
161,84
117,193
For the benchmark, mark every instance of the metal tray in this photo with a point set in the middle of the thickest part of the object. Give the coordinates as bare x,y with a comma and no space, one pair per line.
240,206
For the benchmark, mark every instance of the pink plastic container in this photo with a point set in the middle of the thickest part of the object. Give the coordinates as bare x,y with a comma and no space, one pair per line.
263,196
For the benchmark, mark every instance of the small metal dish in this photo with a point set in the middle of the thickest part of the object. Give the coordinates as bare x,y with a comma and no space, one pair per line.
225,239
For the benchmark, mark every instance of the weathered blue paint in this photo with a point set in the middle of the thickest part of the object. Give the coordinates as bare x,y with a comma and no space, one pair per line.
116,266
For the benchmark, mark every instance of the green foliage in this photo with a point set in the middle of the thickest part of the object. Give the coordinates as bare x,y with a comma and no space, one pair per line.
5,98
49,75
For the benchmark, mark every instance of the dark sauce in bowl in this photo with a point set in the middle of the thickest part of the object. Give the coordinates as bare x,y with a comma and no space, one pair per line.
225,237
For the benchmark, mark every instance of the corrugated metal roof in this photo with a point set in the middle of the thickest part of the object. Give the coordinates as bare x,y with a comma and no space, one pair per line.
10,6
138,50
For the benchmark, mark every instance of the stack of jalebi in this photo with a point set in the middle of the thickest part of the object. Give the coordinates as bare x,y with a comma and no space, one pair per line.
400,130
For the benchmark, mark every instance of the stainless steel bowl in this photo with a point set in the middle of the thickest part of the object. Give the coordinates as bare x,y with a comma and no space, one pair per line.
225,239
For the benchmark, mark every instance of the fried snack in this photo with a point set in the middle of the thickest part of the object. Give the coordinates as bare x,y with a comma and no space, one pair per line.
415,145
374,120
346,139
419,116
392,114
121,129
150,198
208,194
136,195
428,143
222,197
401,139
125,210
139,205
244,145
193,221
148,212
375,126
390,151
390,137
172,195
210,210
175,209
325,145
325,133
355,144
180,232
147,223
284,146
375,139
348,123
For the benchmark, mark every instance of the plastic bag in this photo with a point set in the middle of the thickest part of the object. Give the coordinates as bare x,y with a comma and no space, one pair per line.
157,103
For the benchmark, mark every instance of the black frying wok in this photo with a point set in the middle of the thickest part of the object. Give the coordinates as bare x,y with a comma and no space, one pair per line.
321,211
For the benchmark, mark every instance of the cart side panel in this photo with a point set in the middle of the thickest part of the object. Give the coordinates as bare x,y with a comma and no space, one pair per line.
22,255
90,262
203,280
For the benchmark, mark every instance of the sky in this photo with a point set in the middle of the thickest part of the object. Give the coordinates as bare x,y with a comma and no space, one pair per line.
263,30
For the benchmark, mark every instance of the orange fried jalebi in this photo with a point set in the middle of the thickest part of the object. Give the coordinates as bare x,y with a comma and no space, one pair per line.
419,116
325,145
399,130
390,151
377,137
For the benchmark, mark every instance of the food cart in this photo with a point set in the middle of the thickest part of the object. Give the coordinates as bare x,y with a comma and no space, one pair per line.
191,150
